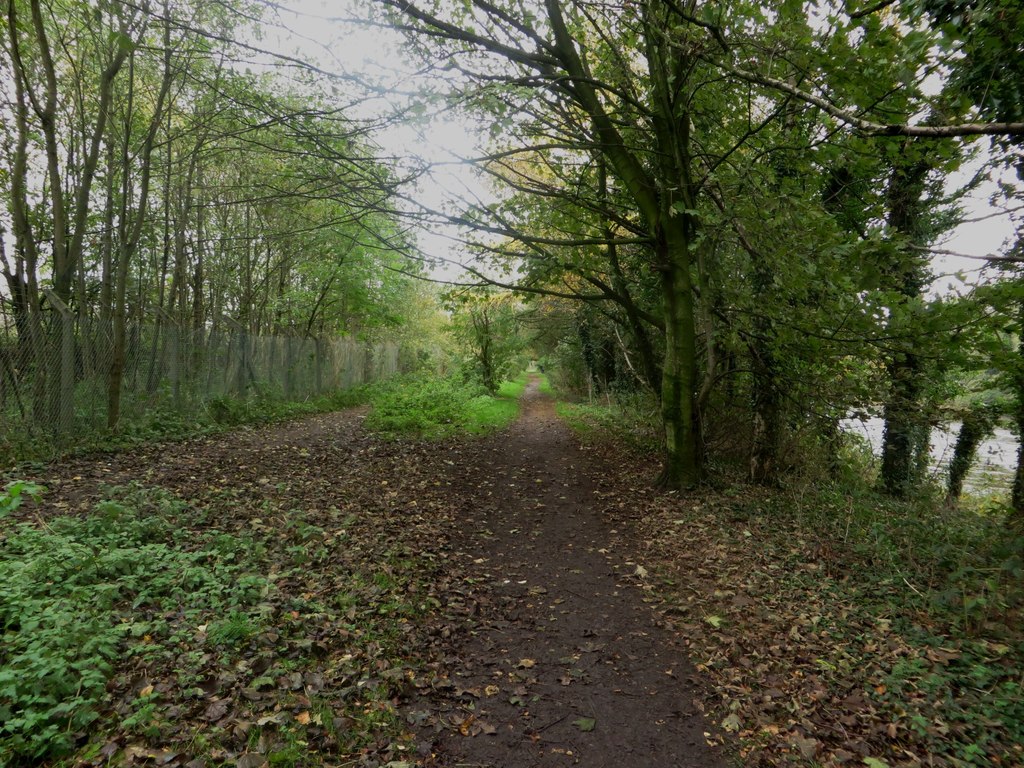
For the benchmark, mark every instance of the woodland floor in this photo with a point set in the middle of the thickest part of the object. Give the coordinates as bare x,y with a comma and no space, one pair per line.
542,650
512,600
564,663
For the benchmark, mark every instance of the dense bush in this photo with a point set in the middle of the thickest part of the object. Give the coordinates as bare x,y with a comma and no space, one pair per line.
434,407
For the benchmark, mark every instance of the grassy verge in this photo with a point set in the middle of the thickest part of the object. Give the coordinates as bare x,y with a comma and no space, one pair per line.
435,408
629,420
544,385
219,414
157,630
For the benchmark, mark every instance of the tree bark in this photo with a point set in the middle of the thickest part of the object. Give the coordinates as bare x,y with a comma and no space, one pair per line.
977,425
684,449
1017,495
904,427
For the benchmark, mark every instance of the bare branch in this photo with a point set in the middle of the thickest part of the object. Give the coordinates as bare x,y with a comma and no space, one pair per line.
869,127
872,9
1004,258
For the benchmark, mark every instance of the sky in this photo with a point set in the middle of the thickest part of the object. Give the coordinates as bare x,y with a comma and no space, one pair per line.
329,34
323,31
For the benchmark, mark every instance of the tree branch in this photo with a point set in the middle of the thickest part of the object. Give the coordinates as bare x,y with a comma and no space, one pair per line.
869,127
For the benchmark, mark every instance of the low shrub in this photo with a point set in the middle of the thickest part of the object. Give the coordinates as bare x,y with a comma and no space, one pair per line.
74,591
433,407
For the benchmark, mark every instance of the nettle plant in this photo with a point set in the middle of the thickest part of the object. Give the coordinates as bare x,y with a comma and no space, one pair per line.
76,592
15,493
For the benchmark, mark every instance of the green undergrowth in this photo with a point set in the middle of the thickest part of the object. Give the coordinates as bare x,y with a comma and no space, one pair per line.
164,423
630,420
899,622
149,622
440,407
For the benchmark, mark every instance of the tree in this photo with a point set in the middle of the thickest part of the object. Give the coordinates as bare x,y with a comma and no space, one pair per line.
653,112
488,325
177,196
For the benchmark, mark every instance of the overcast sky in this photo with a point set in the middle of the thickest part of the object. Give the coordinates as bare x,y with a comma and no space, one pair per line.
319,30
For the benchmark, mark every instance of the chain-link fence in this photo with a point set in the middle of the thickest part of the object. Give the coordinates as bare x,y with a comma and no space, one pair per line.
58,380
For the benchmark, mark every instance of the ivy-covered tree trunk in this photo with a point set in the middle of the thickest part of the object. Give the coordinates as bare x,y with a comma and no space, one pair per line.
684,454
977,425
904,429
1017,495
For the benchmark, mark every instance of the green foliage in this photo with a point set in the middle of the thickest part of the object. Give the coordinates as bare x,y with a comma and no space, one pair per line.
487,325
76,593
15,493
629,418
435,407
268,407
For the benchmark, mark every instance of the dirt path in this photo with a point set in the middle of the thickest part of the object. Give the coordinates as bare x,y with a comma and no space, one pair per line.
564,663
543,651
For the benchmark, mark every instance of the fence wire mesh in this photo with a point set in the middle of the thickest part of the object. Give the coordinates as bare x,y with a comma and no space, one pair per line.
56,371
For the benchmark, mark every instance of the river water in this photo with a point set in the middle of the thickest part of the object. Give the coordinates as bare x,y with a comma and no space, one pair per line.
993,466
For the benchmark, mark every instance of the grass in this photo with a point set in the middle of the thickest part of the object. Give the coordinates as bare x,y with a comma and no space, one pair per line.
545,387
164,423
435,408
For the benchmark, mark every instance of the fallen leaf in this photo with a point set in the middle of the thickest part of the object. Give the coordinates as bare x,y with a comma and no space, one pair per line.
808,747
216,710
585,724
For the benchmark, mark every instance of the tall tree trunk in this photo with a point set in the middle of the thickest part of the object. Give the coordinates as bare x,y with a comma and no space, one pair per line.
69,226
664,196
684,449
766,397
130,239
1017,495
25,239
904,427
902,430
